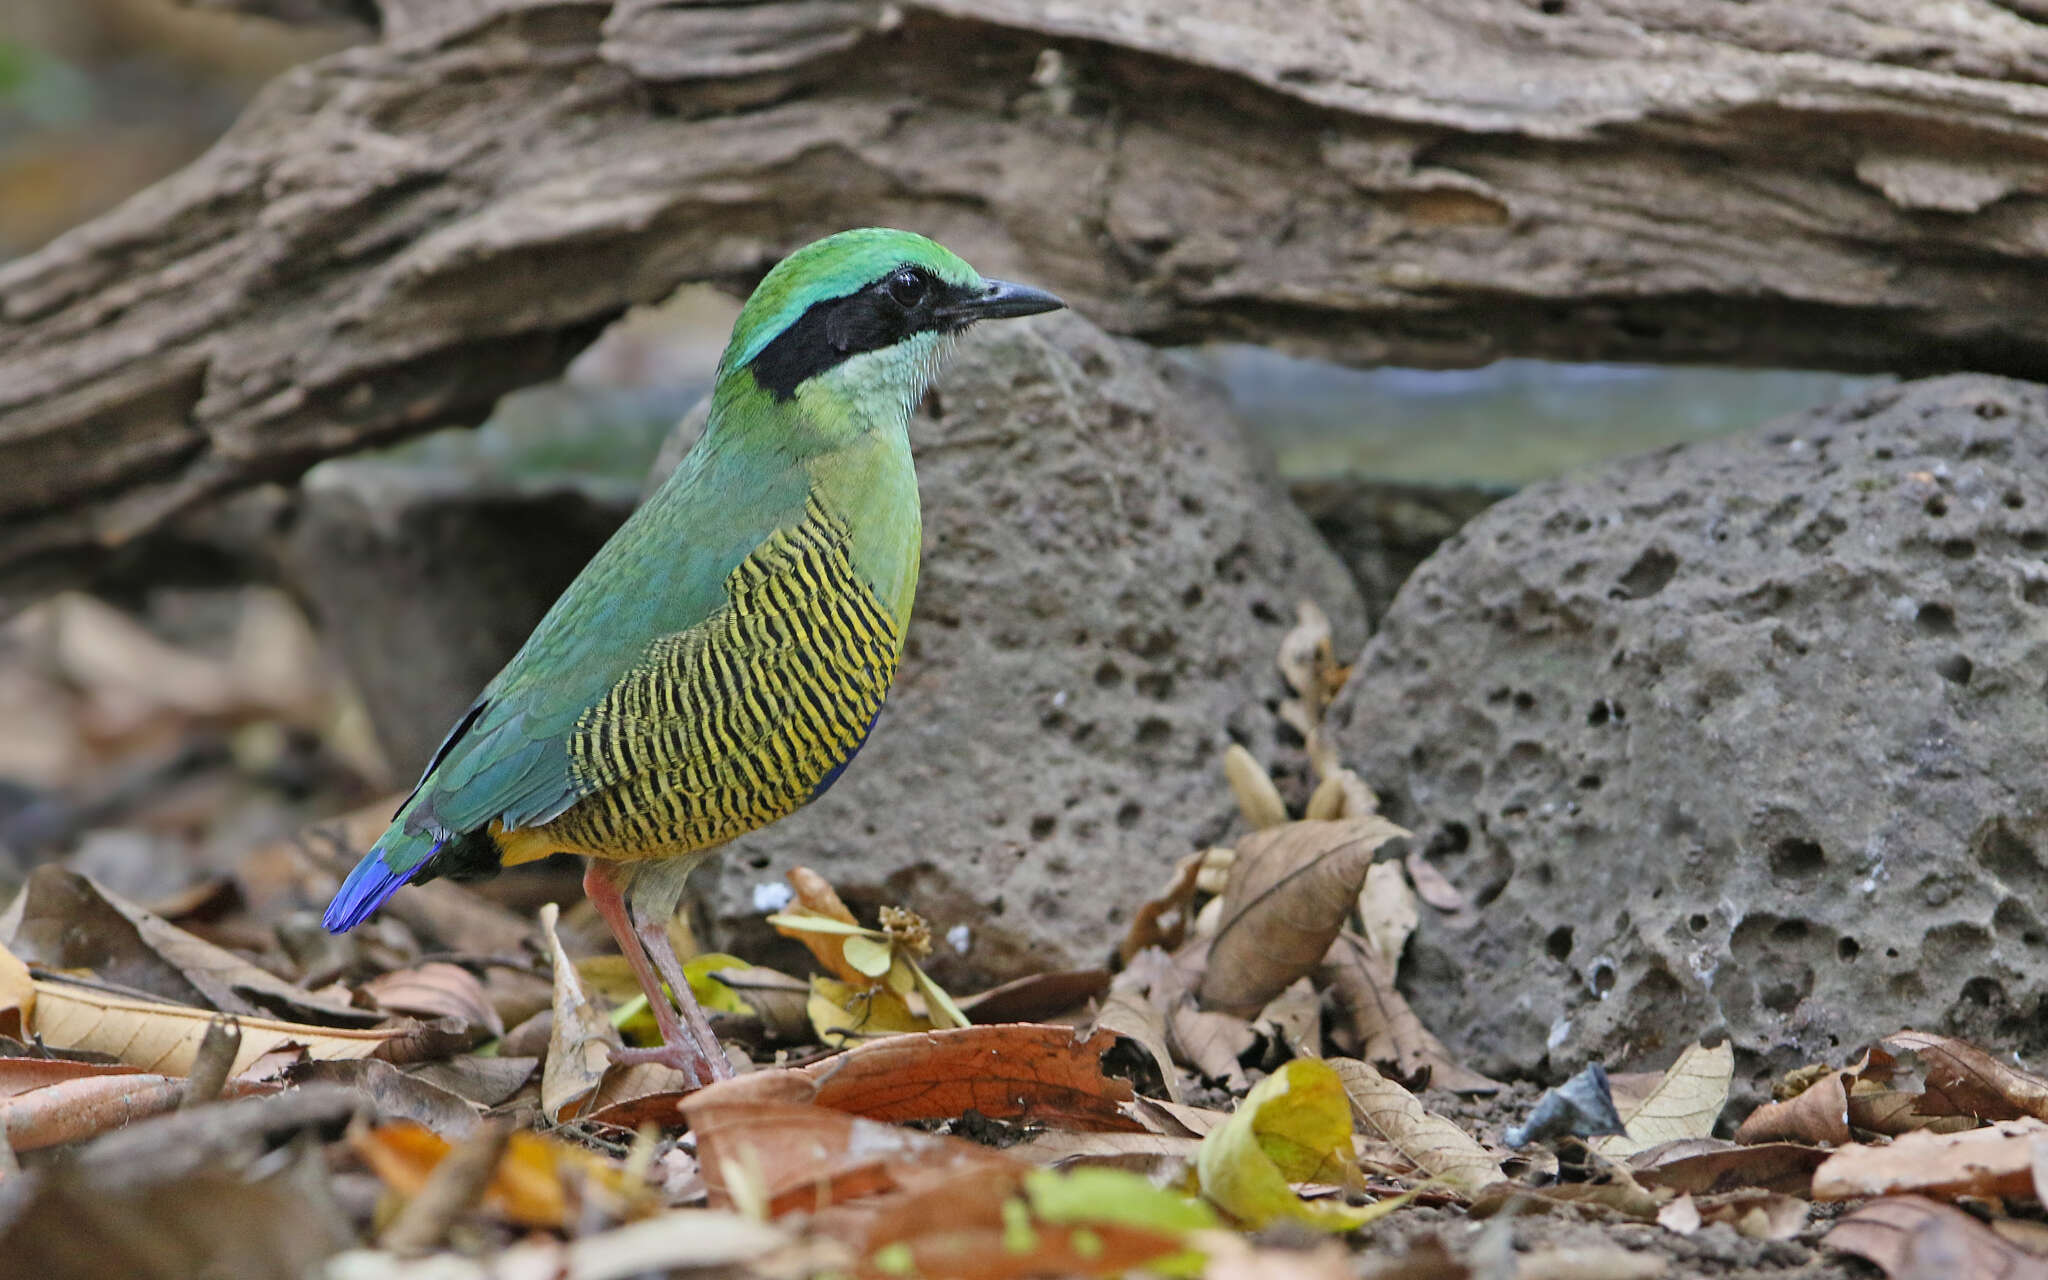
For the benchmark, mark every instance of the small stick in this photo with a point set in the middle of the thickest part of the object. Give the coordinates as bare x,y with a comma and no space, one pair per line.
216,1055
451,1190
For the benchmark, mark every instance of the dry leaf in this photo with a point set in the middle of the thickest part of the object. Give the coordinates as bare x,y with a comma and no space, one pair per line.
1912,1238
1211,1044
1387,912
995,1225
1146,1153
1018,1071
1684,1104
165,1038
81,1107
437,990
580,1045
1294,1020
1257,798
1382,1026
1997,1160
394,1095
1036,997
528,1187
1704,1165
62,920
1963,1080
1818,1115
1754,1213
1162,921
1289,892
1129,1012
1614,1194
1435,1145
1432,886
790,1157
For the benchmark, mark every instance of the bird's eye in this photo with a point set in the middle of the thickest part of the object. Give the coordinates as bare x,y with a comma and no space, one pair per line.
907,288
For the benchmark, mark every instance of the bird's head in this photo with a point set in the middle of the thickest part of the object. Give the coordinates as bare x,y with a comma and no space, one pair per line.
862,318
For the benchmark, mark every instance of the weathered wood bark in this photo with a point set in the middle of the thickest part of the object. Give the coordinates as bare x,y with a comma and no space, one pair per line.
395,236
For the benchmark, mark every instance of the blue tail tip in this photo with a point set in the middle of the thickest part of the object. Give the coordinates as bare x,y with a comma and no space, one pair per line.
365,890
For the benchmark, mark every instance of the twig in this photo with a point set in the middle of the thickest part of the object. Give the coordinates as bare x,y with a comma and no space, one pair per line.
451,1190
212,1061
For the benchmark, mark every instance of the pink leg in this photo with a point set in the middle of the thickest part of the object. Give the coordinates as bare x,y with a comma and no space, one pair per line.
679,1048
654,937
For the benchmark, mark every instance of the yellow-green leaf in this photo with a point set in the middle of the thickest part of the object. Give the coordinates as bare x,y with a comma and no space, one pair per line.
869,955
944,1013
714,995
1118,1197
1294,1126
842,1013
825,924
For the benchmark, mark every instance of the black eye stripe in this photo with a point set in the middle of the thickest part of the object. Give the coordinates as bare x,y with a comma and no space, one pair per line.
836,329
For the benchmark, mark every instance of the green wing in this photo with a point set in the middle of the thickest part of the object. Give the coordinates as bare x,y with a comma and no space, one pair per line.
662,573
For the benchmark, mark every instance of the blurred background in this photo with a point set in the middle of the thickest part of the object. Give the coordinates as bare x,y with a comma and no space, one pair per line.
218,718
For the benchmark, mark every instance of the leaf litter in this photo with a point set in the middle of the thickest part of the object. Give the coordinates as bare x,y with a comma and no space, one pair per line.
1247,1093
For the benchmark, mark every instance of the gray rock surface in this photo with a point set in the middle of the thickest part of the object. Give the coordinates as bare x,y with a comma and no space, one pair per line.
1746,736
1108,570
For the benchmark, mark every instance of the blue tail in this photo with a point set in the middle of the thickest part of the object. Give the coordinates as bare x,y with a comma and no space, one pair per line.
366,888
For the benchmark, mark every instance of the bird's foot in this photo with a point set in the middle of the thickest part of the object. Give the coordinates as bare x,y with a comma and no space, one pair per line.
695,1067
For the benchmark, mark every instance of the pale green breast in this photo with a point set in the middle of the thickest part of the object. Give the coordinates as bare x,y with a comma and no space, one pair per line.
741,720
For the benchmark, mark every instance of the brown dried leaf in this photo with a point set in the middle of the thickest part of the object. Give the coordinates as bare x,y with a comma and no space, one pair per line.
1211,1044
165,1038
1912,1238
1146,1153
394,1095
1684,1104
1129,1012
1383,1026
1162,921
1818,1115
580,1045
85,1105
437,990
1997,1160
62,920
488,1082
780,1002
1963,1080
1613,1195
791,1157
1288,894
1432,886
1018,1071
1701,1166
1436,1146
1036,997
1294,1019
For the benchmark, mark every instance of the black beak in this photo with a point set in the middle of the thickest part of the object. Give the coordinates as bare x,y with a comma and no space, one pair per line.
1001,300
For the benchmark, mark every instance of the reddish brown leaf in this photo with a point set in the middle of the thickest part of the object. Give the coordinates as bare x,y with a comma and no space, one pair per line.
1993,1161
1818,1115
1162,921
956,1227
1913,1238
85,1105
805,1158
1018,1071
19,1075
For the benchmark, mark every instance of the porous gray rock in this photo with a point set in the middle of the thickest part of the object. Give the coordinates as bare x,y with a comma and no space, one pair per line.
1108,571
1740,737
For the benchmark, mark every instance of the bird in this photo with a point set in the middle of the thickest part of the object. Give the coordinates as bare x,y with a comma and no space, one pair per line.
719,662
